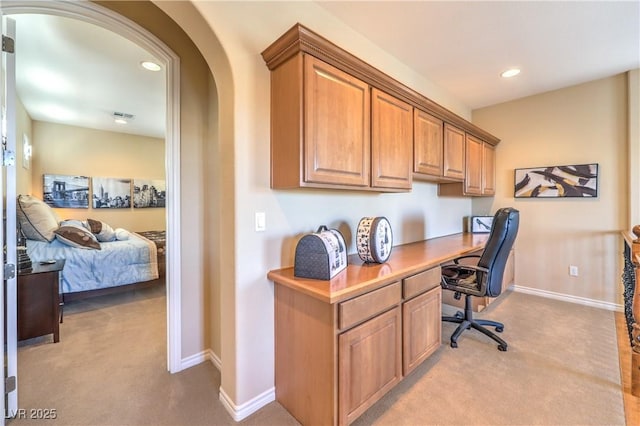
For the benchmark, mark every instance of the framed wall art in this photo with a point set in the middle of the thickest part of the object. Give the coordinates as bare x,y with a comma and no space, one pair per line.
63,191
578,181
149,193
481,224
111,193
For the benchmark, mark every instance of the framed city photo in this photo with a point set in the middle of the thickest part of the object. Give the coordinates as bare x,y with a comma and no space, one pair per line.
111,193
481,224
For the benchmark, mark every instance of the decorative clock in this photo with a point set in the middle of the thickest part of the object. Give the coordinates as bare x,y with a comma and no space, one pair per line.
374,239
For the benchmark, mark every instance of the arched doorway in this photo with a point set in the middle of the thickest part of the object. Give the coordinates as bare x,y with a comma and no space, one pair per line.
97,15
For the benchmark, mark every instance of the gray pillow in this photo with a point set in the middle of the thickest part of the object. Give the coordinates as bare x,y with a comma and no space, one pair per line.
37,220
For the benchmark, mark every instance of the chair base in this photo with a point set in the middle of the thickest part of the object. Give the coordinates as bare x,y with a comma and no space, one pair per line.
467,321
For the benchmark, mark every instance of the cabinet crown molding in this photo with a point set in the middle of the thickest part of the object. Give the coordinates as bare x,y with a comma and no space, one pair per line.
300,39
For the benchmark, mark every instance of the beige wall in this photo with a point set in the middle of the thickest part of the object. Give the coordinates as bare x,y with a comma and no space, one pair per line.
199,276
23,127
69,150
244,29
235,159
576,125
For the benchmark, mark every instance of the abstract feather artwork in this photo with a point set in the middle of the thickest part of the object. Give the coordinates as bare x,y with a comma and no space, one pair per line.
557,181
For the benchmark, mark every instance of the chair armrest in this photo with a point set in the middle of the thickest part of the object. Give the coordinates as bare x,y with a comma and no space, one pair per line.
465,257
473,268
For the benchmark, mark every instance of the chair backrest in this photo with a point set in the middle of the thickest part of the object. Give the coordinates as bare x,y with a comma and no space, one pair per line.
496,252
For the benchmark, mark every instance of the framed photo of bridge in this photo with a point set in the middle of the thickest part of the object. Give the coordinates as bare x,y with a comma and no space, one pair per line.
63,191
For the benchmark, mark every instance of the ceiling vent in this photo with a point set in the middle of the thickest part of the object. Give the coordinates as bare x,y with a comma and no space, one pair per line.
123,115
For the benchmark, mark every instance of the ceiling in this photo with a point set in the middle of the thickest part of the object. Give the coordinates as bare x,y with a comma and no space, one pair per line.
72,72
463,46
460,46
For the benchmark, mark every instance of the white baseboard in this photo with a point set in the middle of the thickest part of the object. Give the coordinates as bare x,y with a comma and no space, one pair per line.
240,412
568,298
199,358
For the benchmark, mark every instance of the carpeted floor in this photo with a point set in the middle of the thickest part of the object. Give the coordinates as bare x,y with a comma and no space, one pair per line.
110,369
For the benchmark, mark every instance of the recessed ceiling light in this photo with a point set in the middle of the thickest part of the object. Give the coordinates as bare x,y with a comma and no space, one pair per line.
511,72
151,66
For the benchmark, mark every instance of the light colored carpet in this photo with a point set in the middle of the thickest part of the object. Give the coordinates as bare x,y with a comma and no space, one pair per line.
110,369
561,368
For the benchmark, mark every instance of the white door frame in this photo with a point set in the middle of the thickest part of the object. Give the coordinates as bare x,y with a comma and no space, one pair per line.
98,15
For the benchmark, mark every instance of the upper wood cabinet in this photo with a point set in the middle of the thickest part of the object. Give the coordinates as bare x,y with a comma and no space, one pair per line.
488,169
427,144
352,136
454,154
479,173
336,126
391,142
473,167
337,122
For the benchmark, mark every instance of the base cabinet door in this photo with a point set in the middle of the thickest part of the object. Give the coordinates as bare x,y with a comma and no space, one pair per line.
422,328
370,363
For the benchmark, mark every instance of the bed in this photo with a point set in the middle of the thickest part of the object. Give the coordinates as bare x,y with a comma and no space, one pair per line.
117,263
98,258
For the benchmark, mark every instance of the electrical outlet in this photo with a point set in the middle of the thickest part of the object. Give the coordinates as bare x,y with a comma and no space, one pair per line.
573,270
261,221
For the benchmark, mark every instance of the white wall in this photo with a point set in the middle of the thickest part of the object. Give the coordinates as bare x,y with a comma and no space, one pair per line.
577,125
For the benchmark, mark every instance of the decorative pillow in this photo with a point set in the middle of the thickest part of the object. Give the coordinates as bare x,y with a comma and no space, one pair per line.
103,232
78,237
122,234
37,220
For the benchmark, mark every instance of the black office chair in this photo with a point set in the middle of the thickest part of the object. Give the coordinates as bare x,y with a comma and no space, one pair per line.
485,279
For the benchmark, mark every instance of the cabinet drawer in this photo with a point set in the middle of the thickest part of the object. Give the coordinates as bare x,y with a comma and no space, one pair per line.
421,282
362,307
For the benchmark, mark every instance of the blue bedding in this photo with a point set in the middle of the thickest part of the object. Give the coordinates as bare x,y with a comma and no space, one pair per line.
117,263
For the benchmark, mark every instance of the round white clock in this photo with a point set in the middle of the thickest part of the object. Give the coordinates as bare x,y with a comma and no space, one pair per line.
374,239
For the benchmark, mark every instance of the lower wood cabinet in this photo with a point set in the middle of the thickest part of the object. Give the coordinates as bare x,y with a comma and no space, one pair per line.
421,328
370,363
335,360
340,345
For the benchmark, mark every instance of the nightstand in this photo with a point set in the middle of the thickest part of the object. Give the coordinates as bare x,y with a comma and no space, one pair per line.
39,301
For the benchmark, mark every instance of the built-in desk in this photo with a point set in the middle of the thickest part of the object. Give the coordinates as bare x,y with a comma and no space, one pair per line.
342,344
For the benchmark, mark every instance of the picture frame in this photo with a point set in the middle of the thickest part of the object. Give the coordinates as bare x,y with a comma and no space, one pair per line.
149,193
111,193
480,224
572,181
65,191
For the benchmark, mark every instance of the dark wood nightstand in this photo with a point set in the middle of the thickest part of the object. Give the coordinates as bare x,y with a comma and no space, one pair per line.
39,301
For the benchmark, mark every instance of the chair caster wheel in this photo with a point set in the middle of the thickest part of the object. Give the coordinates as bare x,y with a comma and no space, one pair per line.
459,315
499,329
502,348
454,344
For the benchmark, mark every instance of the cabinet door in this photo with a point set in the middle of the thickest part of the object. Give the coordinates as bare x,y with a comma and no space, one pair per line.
453,152
473,177
391,142
369,364
427,144
488,169
337,126
422,328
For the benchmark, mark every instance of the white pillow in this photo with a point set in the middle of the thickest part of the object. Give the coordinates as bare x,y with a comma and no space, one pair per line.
122,234
37,220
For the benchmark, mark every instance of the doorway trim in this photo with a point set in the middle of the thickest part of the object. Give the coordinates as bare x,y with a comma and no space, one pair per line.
98,15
